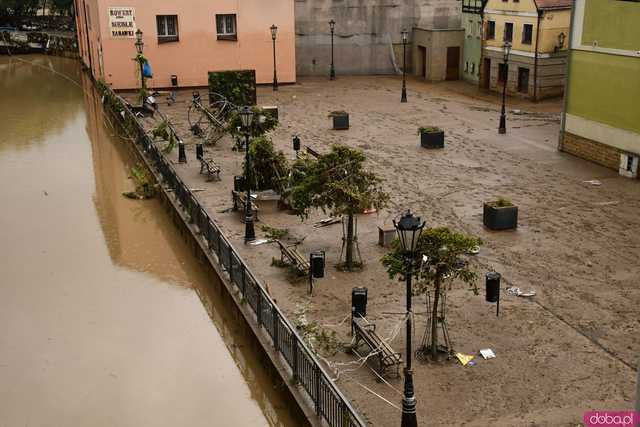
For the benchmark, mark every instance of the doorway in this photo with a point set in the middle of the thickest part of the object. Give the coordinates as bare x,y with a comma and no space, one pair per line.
486,73
453,63
523,80
423,61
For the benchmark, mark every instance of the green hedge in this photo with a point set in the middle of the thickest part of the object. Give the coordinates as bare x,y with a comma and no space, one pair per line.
238,86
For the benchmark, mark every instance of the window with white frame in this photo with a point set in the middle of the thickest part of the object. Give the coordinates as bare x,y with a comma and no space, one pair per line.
167,28
226,27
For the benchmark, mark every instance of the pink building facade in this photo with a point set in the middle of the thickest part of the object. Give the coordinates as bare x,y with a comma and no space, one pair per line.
186,39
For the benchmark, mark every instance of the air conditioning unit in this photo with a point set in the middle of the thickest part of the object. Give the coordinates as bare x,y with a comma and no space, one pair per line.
629,165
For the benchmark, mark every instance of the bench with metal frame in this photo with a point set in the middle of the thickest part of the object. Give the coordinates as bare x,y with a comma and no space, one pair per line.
210,167
239,204
365,332
290,255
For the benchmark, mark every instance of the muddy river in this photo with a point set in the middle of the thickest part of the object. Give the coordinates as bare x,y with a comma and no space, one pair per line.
106,319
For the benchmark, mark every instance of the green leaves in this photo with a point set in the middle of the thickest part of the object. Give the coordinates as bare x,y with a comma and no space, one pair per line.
337,182
269,168
445,250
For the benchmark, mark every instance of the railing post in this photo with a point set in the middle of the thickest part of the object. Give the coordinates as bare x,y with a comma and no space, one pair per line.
259,307
276,322
294,351
243,284
316,374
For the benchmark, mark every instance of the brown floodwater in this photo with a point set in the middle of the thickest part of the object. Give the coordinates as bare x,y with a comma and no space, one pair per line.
106,318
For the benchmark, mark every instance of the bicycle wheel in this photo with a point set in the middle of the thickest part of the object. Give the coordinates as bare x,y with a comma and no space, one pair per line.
199,123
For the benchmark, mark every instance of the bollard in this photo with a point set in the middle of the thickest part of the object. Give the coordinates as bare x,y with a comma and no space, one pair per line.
493,289
199,151
296,144
182,155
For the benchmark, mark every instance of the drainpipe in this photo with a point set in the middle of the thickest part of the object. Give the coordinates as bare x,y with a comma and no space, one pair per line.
563,116
481,63
535,60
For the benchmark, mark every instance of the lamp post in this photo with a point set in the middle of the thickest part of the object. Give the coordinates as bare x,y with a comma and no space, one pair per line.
409,229
139,48
332,72
246,116
503,116
405,35
274,33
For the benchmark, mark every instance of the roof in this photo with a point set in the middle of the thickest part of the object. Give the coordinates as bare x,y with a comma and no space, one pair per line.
553,4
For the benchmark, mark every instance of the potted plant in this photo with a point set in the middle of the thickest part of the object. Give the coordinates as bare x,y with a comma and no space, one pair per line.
500,214
340,120
431,137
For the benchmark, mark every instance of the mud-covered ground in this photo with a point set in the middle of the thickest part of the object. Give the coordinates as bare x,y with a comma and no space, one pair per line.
573,347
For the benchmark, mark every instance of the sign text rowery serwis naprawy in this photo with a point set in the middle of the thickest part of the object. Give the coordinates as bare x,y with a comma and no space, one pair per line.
122,22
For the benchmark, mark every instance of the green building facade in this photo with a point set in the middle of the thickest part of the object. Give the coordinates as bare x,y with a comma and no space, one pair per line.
601,121
472,24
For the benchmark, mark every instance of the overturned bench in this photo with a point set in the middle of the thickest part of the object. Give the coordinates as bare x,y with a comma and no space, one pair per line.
291,256
240,203
365,333
210,168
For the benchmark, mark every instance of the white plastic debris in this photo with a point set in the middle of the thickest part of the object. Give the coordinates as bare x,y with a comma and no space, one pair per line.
487,353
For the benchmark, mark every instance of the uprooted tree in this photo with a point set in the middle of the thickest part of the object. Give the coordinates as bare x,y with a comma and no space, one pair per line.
338,183
439,256
269,168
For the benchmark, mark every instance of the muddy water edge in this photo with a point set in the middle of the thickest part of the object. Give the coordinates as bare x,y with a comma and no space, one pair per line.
106,316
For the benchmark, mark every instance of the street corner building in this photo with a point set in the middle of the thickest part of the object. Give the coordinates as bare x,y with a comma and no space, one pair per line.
538,31
186,39
601,120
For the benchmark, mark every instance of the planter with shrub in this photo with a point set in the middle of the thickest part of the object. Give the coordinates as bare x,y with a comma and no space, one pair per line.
500,214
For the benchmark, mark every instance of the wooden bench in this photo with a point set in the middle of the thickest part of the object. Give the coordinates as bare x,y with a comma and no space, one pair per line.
290,255
209,166
239,203
365,332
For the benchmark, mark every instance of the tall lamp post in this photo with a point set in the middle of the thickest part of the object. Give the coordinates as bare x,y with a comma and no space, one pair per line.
332,72
409,229
405,35
139,48
274,33
503,114
246,116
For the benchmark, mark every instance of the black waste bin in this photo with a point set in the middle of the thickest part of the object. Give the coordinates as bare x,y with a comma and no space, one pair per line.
493,286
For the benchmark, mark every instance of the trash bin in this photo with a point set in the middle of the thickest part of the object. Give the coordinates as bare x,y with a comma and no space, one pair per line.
493,286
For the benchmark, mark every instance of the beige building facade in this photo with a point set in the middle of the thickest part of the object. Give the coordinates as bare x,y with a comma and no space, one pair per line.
185,39
538,31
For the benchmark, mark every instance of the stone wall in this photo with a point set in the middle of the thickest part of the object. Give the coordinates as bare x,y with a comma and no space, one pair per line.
367,33
596,152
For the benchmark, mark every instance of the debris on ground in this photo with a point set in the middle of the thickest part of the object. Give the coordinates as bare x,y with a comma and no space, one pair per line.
513,290
593,182
487,353
327,221
464,358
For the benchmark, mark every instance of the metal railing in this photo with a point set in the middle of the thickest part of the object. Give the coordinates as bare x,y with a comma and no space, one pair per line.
328,401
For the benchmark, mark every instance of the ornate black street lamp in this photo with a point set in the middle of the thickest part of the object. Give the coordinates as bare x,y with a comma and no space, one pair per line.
139,48
409,229
332,72
405,36
246,116
503,115
274,33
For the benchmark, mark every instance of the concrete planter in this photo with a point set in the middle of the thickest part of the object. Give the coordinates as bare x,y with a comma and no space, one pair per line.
432,139
500,218
340,121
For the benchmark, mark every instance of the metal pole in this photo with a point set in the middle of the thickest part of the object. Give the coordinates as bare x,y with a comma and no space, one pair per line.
249,232
403,98
409,418
503,116
275,77
332,73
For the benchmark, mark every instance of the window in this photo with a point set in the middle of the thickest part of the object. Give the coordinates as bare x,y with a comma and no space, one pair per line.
527,33
466,66
226,27
491,30
508,31
473,68
167,28
503,72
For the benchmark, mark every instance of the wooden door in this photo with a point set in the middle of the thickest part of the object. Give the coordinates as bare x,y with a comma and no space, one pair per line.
523,80
453,63
486,73
423,61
